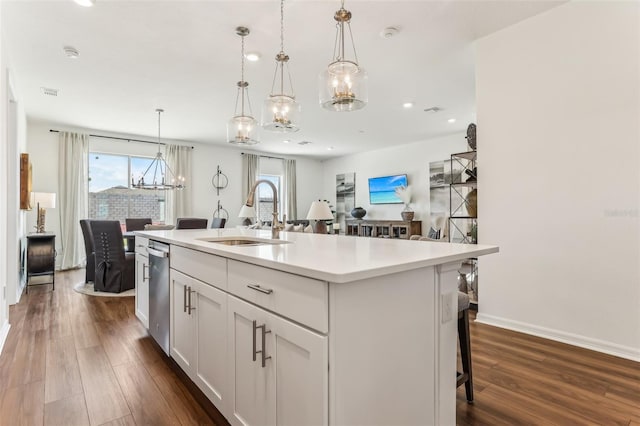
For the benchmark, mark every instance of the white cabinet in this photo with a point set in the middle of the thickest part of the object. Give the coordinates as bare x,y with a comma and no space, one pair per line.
142,289
278,371
198,334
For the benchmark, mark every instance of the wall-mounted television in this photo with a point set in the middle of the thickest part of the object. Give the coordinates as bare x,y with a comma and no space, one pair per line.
382,190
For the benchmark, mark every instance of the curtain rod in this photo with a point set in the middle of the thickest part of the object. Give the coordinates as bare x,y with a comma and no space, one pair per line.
115,137
267,156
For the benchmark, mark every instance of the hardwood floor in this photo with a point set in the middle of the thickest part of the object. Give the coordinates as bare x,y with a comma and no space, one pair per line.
72,359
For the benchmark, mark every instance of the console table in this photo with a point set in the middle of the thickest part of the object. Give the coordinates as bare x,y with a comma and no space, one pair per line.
383,228
40,257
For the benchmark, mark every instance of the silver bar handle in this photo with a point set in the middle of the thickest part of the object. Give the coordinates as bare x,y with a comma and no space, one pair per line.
145,267
264,348
157,253
184,298
256,287
255,328
190,307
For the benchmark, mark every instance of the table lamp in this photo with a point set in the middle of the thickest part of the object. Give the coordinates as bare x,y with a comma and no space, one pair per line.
247,212
320,211
43,200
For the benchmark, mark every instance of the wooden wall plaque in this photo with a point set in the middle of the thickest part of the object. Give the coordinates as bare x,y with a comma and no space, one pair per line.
25,182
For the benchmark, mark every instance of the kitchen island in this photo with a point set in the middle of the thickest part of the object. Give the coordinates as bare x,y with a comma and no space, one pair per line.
316,329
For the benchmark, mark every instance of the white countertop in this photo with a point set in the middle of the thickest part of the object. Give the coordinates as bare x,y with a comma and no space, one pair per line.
333,258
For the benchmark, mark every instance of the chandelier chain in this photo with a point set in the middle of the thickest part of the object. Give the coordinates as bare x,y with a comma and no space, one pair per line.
355,54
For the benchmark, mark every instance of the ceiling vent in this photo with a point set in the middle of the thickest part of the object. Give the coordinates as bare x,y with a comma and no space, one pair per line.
433,109
49,91
304,143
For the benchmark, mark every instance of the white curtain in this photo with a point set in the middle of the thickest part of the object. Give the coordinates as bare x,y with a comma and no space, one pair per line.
290,191
73,180
250,164
178,202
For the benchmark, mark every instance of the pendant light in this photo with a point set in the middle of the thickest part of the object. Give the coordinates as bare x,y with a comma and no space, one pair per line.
158,175
343,85
242,129
280,110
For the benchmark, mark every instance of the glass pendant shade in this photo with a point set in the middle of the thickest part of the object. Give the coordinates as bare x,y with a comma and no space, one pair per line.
242,129
280,113
343,85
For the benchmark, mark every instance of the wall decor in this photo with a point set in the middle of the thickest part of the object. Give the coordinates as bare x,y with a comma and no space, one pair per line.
439,180
345,197
25,182
221,212
219,180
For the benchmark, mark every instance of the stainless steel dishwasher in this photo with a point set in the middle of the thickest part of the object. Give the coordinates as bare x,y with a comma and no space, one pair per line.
159,307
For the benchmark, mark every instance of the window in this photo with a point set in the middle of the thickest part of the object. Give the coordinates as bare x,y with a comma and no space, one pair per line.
110,194
264,208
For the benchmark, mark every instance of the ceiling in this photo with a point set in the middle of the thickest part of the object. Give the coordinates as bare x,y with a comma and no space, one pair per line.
184,56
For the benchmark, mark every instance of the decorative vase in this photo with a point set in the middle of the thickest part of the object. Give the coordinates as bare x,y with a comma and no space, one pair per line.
358,212
472,203
407,214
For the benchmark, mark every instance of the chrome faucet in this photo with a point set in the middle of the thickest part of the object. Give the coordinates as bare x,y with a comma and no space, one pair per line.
276,226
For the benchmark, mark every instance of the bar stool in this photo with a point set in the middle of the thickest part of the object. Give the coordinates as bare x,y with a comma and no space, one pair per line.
466,376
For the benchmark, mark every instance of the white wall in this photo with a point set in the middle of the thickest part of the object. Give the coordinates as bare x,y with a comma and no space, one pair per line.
43,149
558,101
412,159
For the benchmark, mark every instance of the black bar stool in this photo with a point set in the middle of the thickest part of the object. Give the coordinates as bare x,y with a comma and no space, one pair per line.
466,376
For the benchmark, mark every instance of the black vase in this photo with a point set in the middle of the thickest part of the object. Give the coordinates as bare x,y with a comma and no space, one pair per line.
358,212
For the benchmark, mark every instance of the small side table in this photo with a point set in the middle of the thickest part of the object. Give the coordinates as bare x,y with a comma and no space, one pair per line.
41,257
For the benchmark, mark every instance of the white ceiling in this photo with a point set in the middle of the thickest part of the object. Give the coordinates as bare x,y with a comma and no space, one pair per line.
184,56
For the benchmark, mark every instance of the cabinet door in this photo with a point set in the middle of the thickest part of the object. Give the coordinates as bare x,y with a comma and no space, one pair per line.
182,332
250,393
142,289
300,358
211,341
292,387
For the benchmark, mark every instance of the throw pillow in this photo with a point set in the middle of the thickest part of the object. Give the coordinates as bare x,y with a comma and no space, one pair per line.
433,234
308,229
298,228
288,227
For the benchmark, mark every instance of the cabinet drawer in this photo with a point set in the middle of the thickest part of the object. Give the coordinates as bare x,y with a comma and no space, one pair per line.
141,245
206,267
302,299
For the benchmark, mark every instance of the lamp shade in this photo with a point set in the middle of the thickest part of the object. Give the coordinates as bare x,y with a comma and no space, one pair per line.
319,210
46,200
246,211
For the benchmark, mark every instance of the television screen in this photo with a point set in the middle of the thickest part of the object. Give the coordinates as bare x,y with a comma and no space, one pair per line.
382,190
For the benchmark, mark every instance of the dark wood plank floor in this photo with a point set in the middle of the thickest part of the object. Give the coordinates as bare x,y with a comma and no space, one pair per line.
72,359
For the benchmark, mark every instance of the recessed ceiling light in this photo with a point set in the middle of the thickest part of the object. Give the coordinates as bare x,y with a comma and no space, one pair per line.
252,56
330,148
451,120
71,52
286,141
85,3
407,105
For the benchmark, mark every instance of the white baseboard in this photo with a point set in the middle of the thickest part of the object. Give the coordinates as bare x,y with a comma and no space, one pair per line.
4,332
603,346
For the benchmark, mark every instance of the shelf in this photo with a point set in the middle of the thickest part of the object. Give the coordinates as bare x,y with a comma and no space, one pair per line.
469,155
463,217
472,184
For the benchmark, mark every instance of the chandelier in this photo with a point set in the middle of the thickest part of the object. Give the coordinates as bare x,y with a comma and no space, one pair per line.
343,85
158,175
280,110
242,129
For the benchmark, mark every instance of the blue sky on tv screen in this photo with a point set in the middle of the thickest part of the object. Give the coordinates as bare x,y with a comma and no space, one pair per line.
382,189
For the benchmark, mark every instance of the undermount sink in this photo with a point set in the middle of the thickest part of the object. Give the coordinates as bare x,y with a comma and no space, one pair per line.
242,241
